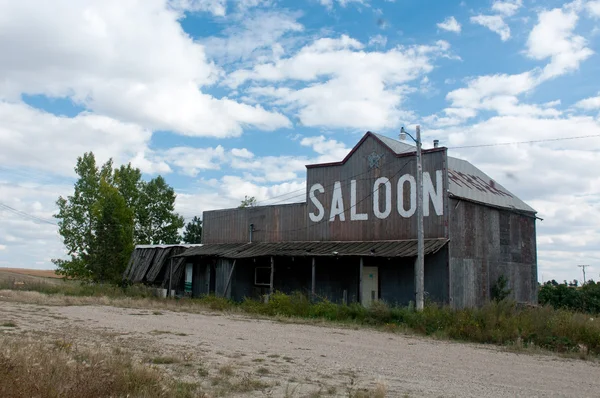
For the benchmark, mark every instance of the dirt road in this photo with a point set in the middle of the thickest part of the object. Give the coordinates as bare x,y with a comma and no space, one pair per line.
305,358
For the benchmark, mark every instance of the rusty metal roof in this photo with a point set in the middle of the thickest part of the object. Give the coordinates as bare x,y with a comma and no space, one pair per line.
468,181
397,248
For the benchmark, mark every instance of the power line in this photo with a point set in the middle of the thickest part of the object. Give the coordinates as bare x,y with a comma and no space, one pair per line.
26,215
526,142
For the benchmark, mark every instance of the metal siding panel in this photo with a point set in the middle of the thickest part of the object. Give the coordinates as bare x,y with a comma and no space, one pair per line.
490,240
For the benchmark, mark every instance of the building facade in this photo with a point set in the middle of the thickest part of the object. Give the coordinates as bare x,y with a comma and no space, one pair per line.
354,239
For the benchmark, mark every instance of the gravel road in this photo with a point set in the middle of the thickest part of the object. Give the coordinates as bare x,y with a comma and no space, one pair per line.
312,356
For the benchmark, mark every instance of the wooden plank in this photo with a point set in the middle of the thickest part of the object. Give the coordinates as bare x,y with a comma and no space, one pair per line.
229,279
314,278
271,288
360,280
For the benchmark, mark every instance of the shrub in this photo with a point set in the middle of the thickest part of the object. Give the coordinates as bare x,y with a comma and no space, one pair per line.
499,290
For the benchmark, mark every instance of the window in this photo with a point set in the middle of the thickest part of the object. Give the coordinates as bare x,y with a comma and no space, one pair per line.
262,276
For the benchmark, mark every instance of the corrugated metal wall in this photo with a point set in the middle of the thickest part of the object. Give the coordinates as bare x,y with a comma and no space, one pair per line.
271,224
485,243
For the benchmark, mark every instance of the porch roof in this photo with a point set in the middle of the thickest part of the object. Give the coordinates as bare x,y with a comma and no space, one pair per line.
389,248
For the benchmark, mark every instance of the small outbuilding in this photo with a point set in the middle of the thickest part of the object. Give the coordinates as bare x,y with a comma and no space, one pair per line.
354,238
158,266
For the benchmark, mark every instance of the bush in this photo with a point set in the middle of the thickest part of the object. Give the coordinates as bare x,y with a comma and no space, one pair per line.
499,290
583,299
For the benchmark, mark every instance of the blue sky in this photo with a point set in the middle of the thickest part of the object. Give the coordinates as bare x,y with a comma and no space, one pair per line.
233,98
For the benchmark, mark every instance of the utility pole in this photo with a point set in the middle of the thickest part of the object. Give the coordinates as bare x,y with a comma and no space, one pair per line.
420,263
583,267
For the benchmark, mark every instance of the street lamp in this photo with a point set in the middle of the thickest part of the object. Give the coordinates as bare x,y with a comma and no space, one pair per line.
420,263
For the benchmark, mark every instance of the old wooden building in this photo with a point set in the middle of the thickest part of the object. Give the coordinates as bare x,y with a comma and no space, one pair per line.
354,239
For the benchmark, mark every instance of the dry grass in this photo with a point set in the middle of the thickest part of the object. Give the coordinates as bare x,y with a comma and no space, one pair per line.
32,369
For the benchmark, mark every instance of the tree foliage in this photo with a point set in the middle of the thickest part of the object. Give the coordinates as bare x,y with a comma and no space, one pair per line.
109,212
113,238
193,231
157,222
247,202
567,296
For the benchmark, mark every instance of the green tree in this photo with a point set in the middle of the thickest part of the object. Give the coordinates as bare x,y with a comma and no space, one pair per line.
128,181
75,214
193,231
109,211
113,235
247,202
157,221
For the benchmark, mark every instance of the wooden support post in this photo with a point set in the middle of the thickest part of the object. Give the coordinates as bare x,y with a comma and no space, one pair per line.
229,279
171,277
360,281
314,279
272,275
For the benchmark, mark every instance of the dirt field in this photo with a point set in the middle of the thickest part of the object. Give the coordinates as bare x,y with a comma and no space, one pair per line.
296,360
30,272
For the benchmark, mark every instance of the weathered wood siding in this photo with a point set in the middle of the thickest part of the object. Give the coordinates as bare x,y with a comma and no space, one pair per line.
359,168
276,223
485,243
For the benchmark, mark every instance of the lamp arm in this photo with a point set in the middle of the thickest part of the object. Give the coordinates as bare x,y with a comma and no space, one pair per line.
413,138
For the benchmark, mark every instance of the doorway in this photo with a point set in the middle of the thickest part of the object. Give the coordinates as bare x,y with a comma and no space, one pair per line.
370,287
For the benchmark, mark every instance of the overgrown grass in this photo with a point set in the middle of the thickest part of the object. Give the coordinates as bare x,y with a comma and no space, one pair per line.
78,289
502,323
32,369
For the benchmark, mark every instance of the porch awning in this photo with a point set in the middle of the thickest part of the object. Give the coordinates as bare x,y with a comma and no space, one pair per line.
389,248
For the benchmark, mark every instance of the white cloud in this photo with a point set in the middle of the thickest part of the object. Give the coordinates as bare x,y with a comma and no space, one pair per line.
553,38
495,23
215,7
192,160
127,60
378,41
330,150
2,247
508,8
551,104
29,243
591,103
32,138
329,3
255,36
450,24
593,8
367,88
242,153
483,91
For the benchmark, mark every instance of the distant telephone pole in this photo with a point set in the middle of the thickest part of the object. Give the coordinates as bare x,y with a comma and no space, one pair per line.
583,267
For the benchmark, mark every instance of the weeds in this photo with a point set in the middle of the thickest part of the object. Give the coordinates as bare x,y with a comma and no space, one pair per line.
9,324
263,371
164,360
502,322
46,371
